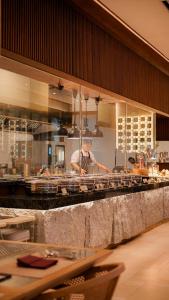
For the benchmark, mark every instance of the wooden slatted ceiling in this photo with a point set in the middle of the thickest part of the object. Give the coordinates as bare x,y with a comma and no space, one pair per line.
56,34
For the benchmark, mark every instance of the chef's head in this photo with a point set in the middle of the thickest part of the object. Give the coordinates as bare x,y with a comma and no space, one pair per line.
86,144
131,160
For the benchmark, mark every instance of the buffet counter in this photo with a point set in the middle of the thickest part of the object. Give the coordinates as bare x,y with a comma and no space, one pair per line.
43,193
130,206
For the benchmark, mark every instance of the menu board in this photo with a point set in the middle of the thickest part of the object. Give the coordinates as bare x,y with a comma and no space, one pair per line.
135,133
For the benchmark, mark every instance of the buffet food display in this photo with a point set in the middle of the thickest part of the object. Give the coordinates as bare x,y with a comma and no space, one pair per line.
45,192
78,184
73,184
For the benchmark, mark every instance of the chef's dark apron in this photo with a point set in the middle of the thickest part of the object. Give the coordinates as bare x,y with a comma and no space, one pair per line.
85,161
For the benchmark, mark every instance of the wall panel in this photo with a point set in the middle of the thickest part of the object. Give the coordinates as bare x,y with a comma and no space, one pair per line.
162,128
56,34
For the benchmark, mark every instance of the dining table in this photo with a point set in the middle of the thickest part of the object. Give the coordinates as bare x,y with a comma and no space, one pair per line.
26,282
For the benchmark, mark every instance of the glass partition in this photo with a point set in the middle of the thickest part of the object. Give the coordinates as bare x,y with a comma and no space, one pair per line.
47,129
94,125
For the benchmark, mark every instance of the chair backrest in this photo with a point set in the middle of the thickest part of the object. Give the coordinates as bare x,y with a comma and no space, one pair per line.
95,283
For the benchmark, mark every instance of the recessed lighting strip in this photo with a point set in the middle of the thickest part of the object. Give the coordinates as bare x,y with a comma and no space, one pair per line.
106,8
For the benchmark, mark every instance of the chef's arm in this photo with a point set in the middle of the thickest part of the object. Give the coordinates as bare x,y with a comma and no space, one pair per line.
76,167
103,167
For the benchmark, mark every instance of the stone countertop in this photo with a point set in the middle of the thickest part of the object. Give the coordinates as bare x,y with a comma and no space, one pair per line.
46,202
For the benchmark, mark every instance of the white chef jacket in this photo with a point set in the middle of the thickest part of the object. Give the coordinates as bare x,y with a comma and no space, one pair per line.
75,158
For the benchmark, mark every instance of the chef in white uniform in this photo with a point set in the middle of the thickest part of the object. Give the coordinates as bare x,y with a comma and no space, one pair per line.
82,159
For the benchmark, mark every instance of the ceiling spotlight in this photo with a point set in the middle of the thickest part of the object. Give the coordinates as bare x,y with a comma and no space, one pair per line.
54,88
60,86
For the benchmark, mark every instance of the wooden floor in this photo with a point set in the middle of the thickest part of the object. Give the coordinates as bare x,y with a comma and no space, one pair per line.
147,266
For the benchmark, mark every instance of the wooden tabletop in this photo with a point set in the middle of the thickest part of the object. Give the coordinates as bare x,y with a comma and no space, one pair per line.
19,220
27,283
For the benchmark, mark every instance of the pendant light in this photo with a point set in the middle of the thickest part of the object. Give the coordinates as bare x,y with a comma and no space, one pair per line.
74,132
57,90
97,132
86,132
62,131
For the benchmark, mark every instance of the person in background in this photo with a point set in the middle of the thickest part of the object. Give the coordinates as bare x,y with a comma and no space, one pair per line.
133,162
82,159
44,171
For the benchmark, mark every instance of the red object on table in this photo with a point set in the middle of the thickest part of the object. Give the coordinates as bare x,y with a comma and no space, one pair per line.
31,261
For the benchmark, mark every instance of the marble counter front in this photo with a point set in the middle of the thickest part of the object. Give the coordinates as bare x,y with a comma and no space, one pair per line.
102,222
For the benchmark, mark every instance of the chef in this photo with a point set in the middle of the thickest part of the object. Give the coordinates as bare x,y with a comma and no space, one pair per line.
44,171
82,159
134,164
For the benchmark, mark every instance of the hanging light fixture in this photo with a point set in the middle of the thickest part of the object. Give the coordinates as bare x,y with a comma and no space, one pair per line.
74,132
97,132
57,90
62,131
86,132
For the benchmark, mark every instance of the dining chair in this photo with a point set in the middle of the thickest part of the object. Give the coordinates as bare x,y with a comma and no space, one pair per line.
98,282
